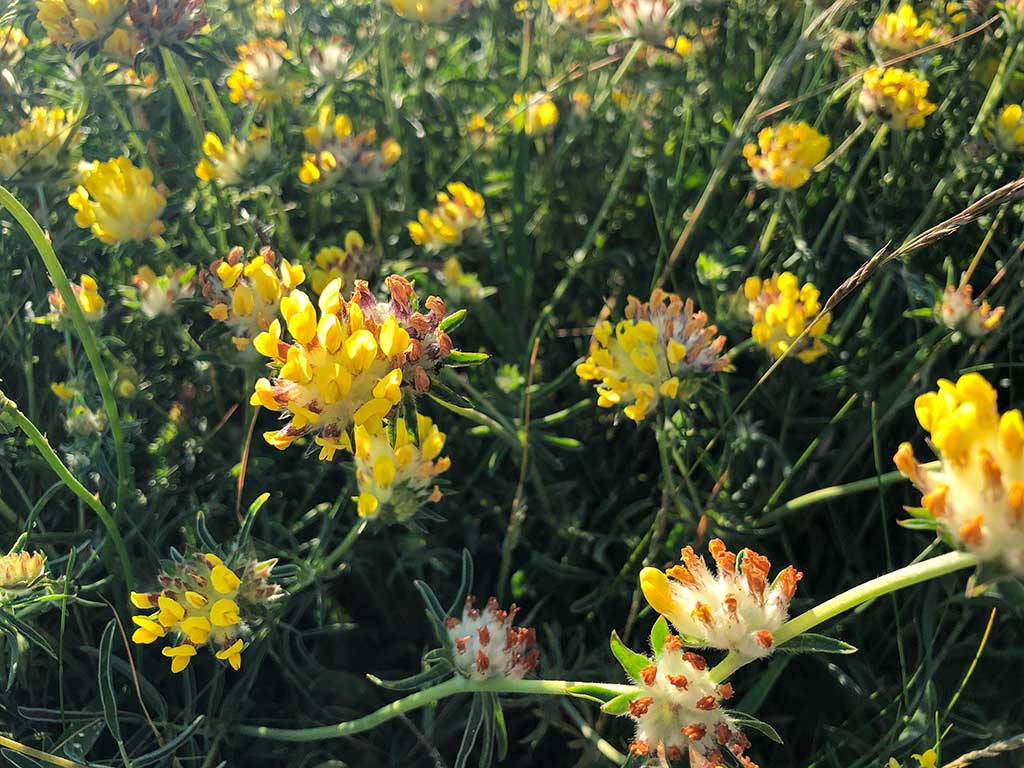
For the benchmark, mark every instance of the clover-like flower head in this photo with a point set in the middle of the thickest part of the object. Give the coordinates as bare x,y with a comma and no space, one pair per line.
487,645
781,310
118,202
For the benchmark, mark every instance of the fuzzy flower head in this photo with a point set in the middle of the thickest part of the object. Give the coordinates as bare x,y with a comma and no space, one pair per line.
167,22
396,467
533,114
262,75
228,164
87,293
329,62
12,45
348,367
73,22
784,157
20,571
157,294
647,20
977,495
733,609
345,263
85,423
456,212
658,350
338,153
781,309
37,144
245,294
582,16
959,311
681,709
204,602
429,11
487,646
894,34
898,97
118,202
1008,129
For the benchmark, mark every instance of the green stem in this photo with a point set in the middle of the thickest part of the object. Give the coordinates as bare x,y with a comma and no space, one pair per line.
9,408
851,598
85,335
188,109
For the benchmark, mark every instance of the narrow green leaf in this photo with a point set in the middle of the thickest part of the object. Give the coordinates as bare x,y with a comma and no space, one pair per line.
631,661
620,704
465,584
659,633
453,321
413,682
30,633
19,760
469,736
500,731
169,747
809,642
749,722
108,695
593,692
457,359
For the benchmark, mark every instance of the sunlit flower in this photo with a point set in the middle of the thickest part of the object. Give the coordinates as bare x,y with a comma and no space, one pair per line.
89,301
328,63
338,153
136,86
123,46
349,367
20,571
901,32
63,390
429,11
646,20
486,645
461,287
118,201
85,423
12,45
898,97
733,609
480,132
228,164
69,22
977,495
960,312
396,468
270,16
658,351
347,262
782,309
456,211
533,114
1008,129
580,102
682,709
784,156
38,143
582,16
245,294
158,293
204,602
262,75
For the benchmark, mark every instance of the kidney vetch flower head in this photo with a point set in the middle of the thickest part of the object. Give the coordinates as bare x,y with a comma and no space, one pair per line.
958,311
977,495
262,75
158,293
87,293
395,468
486,645
897,96
228,164
785,156
245,294
348,367
533,114
646,20
72,22
38,142
734,609
347,261
457,210
429,11
656,351
167,22
118,201
337,152
12,45
202,601
1008,129
583,16
781,309
20,572
901,32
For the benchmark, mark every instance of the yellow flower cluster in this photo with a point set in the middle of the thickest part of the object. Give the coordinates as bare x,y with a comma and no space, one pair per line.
20,570
227,165
1008,129
977,495
37,144
204,602
395,468
428,11
656,352
960,312
245,294
340,153
68,22
456,211
784,157
582,16
270,16
158,293
342,263
12,45
900,32
347,367
898,97
262,76
118,201
533,114
781,309
87,293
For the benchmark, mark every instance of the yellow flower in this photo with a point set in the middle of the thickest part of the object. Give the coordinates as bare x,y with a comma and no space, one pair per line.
227,165
781,309
158,293
533,114
346,263
456,212
245,294
396,469
89,301
12,45
20,570
898,97
118,202
977,494
262,75
62,390
583,16
38,142
347,367
69,22
927,760
480,132
204,602
1008,129
123,46
960,312
658,350
788,154
900,32
428,11
337,152
733,610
